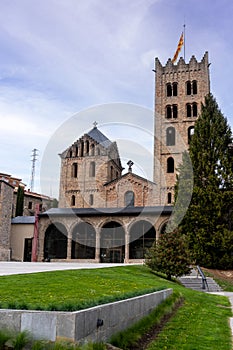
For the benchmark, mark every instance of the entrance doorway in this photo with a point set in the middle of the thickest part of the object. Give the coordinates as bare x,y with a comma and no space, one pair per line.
115,255
112,243
27,255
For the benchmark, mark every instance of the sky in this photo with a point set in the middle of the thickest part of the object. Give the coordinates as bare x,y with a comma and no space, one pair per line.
65,64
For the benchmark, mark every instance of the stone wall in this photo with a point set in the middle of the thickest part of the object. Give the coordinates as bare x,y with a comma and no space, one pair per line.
6,200
95,324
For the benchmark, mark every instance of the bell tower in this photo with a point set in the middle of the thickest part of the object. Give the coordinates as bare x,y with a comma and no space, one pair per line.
180,89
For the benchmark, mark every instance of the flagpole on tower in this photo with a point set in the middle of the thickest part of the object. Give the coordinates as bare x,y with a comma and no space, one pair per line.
184,41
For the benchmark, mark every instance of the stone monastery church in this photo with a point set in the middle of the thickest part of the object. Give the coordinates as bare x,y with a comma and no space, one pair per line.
106,216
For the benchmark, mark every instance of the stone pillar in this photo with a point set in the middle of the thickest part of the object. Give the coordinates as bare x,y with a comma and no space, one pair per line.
69,247
97,249
126,245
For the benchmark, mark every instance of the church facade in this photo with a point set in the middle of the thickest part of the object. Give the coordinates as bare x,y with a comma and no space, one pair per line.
105,215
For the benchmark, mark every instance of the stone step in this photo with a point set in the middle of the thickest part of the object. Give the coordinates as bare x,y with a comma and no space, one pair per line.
196,284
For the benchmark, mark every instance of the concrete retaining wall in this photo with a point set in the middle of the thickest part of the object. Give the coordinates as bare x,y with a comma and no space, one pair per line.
98,323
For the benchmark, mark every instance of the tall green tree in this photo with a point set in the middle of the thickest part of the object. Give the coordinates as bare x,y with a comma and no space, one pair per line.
206,222
19,201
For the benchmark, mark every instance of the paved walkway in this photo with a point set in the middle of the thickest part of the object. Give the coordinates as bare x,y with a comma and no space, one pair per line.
14,268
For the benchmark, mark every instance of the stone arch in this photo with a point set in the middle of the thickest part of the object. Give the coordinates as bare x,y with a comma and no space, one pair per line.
142,235
170,165
83,241
55,241
112,242
163,226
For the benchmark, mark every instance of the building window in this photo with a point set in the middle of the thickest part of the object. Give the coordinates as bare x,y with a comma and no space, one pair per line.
191,110
168,112
188,88
194,86
129,199
91,199
92,149
171,111
29,205
76,151
82,149
190,133
175,89
170,136
75,170
191,87
87,147
92,169
70,155
169,89
172,89
169,198
73,200
174,111
194,109
170,165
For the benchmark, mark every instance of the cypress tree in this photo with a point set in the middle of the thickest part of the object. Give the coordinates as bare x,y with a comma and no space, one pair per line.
206,222
19,201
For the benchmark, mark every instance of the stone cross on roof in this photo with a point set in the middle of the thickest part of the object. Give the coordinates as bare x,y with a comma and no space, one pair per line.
130,164
95,124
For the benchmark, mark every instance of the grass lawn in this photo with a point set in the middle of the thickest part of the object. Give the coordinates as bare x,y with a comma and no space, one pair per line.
201,323
75,289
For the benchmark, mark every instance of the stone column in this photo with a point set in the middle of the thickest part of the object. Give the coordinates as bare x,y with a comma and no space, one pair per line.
126,245
97,249
69,247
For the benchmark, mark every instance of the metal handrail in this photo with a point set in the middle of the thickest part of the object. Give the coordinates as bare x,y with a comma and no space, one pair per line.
203,277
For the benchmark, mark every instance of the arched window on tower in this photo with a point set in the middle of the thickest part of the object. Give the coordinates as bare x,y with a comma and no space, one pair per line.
168,112
169,89
169,198
175,89
73,200
170,165
76,151
171,111
170,136
188,88
191,87
92,169
194,109
74,170
174,111
194,86
129,199
190,133
189,110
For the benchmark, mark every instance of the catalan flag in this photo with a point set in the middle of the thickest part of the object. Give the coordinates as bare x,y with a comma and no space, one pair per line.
180,44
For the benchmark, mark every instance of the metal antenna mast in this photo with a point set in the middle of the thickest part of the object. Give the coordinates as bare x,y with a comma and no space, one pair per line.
34,159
